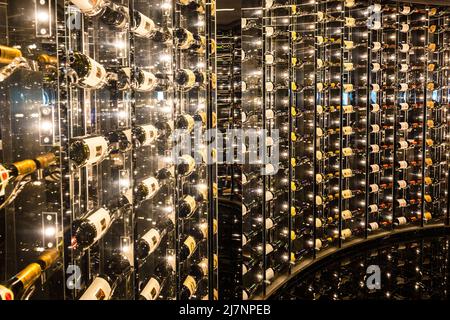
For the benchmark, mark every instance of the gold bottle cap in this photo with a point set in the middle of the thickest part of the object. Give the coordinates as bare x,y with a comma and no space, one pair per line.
29,275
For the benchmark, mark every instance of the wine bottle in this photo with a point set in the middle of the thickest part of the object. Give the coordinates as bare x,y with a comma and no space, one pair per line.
115,16
157,281
89,73
188,205
191,240
185,165
104,285
150,241
193,5
18,287
196,273
120,140
88,151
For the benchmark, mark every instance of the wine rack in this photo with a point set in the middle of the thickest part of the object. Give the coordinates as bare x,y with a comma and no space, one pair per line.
362,134
111,198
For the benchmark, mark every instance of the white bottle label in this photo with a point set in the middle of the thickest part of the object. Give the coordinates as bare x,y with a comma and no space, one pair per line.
404,48
403,164
96,75
346,233
402,220
373,208
348,108
404,125
152,237
375,148
88,5
347,152
318,244
269,248
403,144
375,128
402,203
269,59
269,31
269,86
404,28
404,106
376,46
99,289
404,67
374,188
270,114
347,130
152,186
101,219
269,223
147,83
405,10
151,290
375,106
269,195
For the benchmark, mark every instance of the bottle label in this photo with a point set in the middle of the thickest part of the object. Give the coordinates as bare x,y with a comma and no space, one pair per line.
350,22
404,67
146,26
152,237
405,10
404,48
373,208
95,76
348,88
346,194
375,88
347,130
319,201
98,148
269,196
269,248
269,59
375,106
349,45
99,289
87,5
404,106
402,203
375,148
346,233
403,144
376,67
270,114
270,274
147,82
347,214
373,226
374,168
4,178
402,184
404,125
375,128
204,266
403,164
348,66
244,239
190,78
403,87
318,244
374,188
152,186
100,219
269,223
150,134
376,46
188,41
190,244
402,220
6,294
348,108
347,173
151,290
190,284
190,161
319,178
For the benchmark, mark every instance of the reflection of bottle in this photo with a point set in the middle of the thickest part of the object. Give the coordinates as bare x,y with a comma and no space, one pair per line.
145,81
150,241
145,135
156,283
186,40
120,140
103,286
8,54
88,151
185,165
17,287
115,16
194,5
148,188
90,73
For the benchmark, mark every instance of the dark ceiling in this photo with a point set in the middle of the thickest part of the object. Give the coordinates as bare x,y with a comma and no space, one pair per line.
228,17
